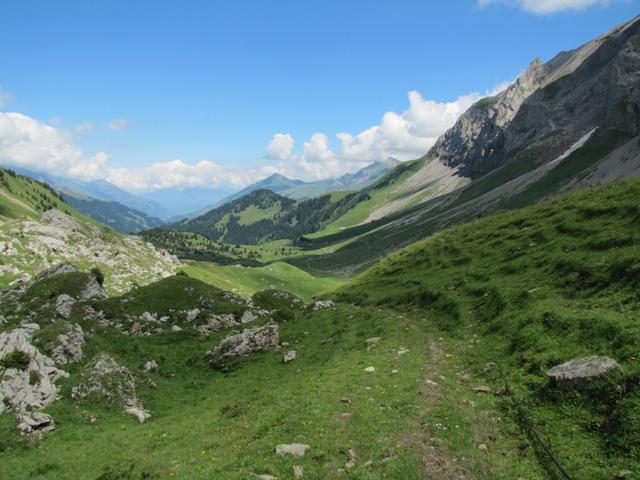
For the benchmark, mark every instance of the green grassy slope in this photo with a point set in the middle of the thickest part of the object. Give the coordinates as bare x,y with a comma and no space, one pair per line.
249,280
24,197
532,289
488,194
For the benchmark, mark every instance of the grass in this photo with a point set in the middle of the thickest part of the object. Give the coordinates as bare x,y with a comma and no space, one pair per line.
249,280
532,289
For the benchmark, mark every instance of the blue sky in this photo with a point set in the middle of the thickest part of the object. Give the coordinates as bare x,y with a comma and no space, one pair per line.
215,81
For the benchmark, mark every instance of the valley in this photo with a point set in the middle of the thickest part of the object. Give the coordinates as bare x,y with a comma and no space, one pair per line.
468,314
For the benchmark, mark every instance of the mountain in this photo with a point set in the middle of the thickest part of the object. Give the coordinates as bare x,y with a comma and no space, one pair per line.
262,216
298,190
571,122
114,214
98,190
38,230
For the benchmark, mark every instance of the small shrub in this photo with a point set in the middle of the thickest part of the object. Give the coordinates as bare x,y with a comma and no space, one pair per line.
97,273
16,359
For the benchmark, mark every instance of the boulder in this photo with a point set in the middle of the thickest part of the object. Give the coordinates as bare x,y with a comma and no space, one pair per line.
35,422
320,304
579,371
138,413
289,356
248,316
248,342
150,365
31,384
92,290
64,305
296,449
193,314
175,328
67,347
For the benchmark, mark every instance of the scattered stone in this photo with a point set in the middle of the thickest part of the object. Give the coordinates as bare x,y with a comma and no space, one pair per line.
431,383
138,413
35,422
395,372
346,416
368,464
370,369
296,449
215,323
64,305
67,347
150,365
402,351
267,477
298,471
579,371
320,304
481,389
175,328
289,356
192,314
345,400
148,318
248,342
483,447
372,342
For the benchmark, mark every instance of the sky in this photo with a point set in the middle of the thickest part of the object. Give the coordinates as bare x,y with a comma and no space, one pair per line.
161,94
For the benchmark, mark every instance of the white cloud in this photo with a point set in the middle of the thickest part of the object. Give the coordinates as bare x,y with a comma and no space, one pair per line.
280,147
5,97
26,142
543,7
405,135
177,173
119,124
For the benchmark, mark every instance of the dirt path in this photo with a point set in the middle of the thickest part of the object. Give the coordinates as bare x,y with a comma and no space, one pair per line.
436,461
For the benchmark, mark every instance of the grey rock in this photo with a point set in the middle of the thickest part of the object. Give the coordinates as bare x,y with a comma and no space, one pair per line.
579,371
295,449
16,388
35,422
148,318
64,305
289,356
248,316
193,314
248,342
215,323
372,342
57,270
175,328
3,321
92,290
150,365
298,471
107,380
320,304
67,347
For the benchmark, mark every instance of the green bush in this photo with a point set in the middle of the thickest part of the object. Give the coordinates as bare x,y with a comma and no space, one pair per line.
16,359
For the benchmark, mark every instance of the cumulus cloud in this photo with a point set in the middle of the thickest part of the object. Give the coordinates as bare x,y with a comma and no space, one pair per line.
5,97
406,135
177,173
119,124
280,147
26,142
543,7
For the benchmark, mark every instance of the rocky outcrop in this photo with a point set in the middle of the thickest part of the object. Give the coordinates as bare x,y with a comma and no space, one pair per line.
215,323
64,305
27,377
551,106
92,290
246,343
105,379
57,270
580,371
67,347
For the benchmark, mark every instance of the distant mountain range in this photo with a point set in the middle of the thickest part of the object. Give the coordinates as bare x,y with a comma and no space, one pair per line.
298,189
